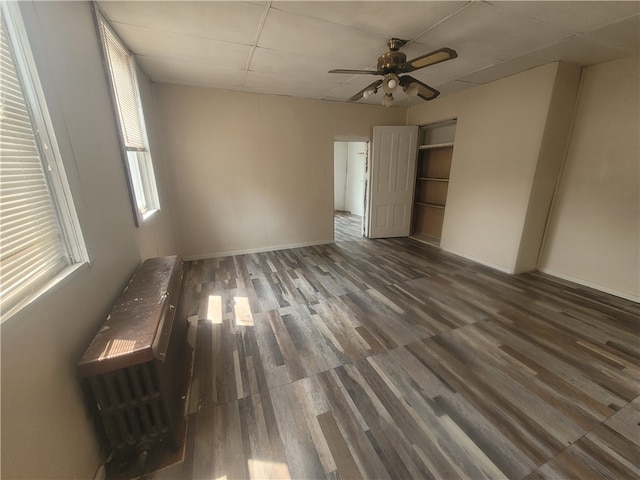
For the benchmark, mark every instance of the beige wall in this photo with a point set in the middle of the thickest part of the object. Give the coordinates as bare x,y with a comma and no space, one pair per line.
497,145
45,430
593,236
156,236
255,172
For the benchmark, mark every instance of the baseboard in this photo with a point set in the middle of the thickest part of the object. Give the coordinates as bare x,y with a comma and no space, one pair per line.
101,473
595,286
189,258
477,260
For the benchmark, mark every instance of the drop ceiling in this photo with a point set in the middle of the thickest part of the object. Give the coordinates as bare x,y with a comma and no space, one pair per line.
287,48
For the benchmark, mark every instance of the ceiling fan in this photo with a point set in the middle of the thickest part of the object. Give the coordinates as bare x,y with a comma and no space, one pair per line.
393,64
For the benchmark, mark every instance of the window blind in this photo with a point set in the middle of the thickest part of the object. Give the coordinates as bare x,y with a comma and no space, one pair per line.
124,86
31,249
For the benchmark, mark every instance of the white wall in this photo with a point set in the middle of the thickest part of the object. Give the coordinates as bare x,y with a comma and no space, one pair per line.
254,172
593,236
356,170
498,140
45,429
349,176
340,162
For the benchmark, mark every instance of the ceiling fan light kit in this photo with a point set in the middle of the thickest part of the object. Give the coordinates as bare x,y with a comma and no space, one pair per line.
411,90
390,83
394,63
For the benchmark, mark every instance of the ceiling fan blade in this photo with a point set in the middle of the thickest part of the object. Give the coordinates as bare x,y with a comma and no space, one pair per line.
356,72
437,56
424,91
360,94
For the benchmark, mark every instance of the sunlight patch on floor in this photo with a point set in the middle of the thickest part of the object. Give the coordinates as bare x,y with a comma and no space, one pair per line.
242,311
266,469
214,309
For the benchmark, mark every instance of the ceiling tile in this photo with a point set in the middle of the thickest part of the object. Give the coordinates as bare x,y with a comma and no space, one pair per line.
227,21
624,34
273,61
580,50
454,87
577,16
166,70
209,43
483,30
289,84
160,43
503,69
308,36
393,19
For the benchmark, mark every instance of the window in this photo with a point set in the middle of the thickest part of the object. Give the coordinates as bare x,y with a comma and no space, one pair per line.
124,86
40,236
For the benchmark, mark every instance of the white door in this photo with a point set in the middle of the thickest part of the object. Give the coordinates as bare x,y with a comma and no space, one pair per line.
392,181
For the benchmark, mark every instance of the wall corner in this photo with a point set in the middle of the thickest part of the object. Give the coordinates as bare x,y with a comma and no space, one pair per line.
551,156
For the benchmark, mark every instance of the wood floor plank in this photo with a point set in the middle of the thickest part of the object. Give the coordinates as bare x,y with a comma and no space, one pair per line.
395,449
393,359
363,453
603,453
512,422
302,457
429,450
538,355
345,463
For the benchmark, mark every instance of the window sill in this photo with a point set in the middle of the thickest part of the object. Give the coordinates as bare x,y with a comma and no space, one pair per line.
52,284
148,214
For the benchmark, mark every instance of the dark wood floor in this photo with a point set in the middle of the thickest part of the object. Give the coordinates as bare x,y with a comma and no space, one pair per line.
391,359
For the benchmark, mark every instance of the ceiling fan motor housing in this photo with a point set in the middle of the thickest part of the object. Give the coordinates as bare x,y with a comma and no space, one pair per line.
390,60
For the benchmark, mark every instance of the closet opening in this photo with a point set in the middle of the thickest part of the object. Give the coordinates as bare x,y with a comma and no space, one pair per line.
435,154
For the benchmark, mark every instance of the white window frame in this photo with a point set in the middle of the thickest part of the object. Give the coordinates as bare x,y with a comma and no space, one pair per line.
71,238
137,159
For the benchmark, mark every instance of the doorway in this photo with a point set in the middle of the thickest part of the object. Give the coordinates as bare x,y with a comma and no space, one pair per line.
349,189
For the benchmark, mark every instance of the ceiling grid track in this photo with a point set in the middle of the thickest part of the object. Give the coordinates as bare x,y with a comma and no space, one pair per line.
215,44
451,15
256,39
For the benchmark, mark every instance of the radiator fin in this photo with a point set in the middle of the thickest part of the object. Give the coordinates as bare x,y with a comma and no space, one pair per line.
130,403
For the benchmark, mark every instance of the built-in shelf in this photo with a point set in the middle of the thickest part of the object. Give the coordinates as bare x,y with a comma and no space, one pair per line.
435,153
437,145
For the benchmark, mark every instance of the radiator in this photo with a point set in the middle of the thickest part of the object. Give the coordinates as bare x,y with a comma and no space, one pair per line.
134,367
131,406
